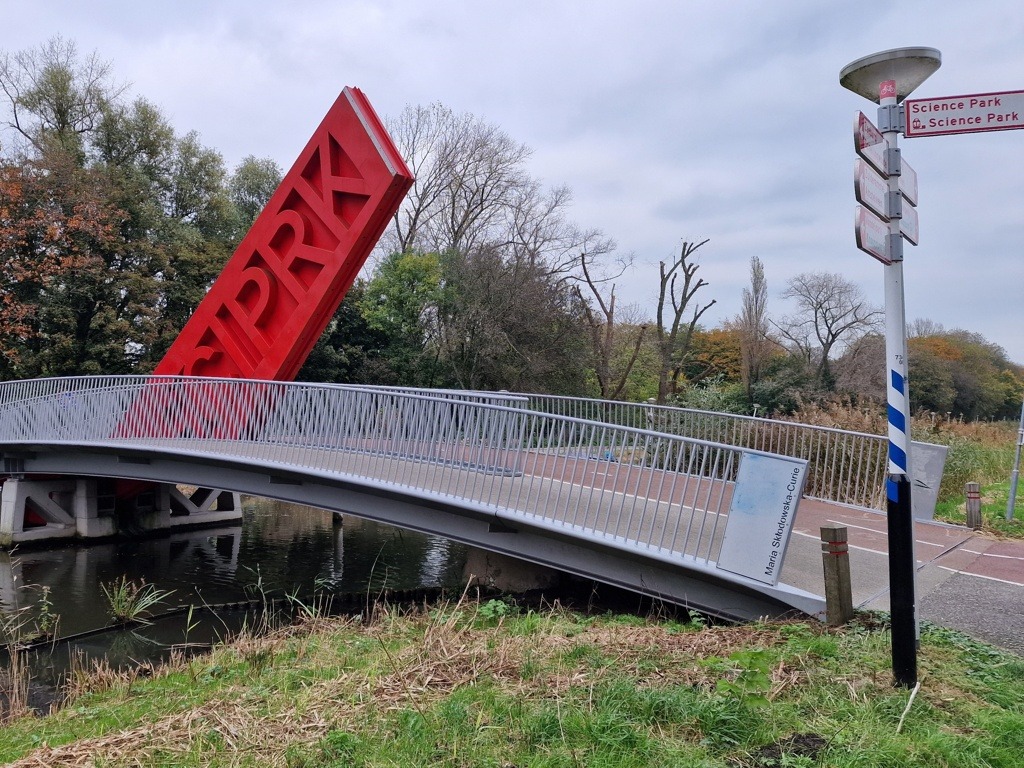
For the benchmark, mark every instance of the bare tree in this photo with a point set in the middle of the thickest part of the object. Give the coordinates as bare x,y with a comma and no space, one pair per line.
755,346
861,368
677,289
922,326
473,191
466,173
611,370
831,313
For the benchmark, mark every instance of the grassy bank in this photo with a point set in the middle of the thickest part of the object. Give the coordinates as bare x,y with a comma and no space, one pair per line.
994,498
983,454
488,685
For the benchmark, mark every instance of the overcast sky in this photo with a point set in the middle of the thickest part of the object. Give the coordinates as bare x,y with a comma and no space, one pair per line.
670,120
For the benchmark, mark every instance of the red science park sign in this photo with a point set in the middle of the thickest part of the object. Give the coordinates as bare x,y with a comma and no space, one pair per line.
971,113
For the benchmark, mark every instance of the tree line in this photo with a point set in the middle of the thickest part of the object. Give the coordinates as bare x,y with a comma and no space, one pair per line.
113,225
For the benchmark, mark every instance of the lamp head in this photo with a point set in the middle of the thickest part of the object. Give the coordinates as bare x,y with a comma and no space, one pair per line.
909,67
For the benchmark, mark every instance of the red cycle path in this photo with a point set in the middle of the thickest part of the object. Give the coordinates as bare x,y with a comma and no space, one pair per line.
950,547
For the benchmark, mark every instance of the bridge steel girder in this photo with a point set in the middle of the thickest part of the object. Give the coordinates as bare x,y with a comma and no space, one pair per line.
266,310
694,585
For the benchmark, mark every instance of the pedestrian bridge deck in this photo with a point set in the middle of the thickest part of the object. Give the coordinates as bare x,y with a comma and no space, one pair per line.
632,507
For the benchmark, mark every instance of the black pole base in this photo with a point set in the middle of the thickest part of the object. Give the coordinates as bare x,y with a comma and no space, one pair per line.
901,581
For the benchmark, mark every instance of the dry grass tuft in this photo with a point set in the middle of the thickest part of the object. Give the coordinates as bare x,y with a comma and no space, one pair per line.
99,676
410,663
14,682
232,725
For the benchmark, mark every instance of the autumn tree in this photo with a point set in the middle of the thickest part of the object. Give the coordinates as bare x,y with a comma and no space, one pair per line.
986,384
159,206
715,354
677,316
79,298
25,229
951,372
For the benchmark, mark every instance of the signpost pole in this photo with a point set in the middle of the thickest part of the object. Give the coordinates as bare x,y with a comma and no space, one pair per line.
900,516
887,78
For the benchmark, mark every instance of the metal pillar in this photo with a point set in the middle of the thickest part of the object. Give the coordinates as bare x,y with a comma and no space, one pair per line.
1015,475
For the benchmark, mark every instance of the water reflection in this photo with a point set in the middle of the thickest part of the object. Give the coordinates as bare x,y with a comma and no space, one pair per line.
279,549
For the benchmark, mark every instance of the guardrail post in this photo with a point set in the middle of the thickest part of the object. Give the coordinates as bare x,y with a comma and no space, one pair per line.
835,557
973,493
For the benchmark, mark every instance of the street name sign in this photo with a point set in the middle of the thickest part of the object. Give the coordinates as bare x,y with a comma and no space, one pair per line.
971,113
764,504
872,235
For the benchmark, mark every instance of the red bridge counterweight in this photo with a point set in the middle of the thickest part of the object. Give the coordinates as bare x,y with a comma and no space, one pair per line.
281,287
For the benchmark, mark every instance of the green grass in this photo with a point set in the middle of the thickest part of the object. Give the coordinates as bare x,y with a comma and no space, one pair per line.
458,686
974,460
994,499
983,454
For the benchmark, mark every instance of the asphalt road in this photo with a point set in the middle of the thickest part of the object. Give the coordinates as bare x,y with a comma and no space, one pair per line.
965,581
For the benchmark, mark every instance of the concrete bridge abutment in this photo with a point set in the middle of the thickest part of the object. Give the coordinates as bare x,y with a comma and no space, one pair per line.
508,574
37,509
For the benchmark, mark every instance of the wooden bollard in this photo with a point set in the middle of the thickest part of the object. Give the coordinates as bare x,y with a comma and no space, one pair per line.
835,558
973,493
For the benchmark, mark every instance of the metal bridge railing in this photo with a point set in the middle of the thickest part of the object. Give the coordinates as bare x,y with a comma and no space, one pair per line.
632,485
842,466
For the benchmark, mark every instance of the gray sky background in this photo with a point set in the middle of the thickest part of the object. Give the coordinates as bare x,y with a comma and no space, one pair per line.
670,121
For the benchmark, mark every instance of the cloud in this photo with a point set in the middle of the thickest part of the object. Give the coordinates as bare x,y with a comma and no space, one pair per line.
669,120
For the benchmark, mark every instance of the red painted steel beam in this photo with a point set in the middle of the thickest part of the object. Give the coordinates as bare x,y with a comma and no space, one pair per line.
281,287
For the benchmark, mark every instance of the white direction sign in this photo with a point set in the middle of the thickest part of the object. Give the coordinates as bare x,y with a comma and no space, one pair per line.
908,182
871,189
869,142
872,235
909,225
971,113
870,145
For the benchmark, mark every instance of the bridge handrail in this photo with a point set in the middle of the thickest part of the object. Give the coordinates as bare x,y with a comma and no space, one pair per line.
559,471
844,466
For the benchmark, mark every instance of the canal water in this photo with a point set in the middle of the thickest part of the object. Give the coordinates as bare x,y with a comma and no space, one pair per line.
280,551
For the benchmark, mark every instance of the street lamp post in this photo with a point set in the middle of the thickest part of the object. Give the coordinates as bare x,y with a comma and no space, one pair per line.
1011,502
887,78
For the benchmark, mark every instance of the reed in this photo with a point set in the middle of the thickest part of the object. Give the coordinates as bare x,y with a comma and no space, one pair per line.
129,601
